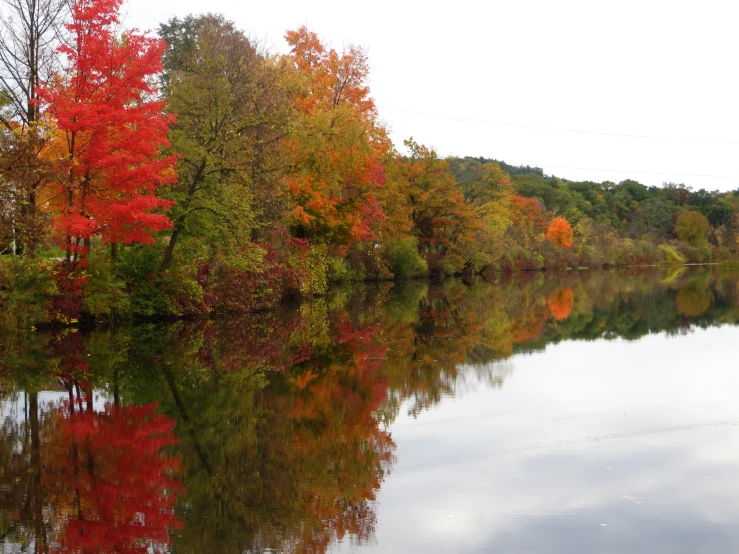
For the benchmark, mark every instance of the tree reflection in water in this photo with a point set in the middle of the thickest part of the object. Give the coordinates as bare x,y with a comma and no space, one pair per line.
97,480
281,438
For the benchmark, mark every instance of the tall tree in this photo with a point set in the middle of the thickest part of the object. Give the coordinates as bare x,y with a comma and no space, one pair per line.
528,220
692,227
442,221
29,33
233,107
338,146
559,232
110,131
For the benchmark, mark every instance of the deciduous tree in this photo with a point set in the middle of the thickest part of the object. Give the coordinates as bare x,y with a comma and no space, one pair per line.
692,227
559,232
338,146
110,131
233,105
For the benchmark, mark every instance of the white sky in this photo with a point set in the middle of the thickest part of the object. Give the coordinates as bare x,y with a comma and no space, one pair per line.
442,72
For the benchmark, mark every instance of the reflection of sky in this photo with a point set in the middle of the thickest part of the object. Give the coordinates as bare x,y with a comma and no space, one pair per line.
605,446
14,406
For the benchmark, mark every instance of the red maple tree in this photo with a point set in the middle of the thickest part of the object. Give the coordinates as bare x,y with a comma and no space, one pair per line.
109,131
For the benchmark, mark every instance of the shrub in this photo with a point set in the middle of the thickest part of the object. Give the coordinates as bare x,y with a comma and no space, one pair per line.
249,281
724,253
175,293
105,295
403,259
672,256
66,304
695,253
310,265
366,262
138,267
338,270
26,289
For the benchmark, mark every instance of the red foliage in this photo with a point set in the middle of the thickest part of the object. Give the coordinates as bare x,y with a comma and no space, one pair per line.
281,271
526,212
109,130
123,486
67,305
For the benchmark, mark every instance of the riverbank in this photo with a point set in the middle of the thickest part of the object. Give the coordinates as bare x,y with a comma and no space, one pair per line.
46,293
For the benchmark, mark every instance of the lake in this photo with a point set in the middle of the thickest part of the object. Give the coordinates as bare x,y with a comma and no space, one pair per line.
591,411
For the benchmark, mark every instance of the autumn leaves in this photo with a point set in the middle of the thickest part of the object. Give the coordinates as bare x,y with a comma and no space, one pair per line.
107,133
242,144
233,177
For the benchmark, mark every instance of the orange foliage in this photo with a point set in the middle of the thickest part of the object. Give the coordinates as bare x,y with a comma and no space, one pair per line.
559,232
527,219
526,211
337,146
561,304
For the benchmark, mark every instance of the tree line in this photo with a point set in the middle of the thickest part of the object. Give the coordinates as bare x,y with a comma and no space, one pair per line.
197,171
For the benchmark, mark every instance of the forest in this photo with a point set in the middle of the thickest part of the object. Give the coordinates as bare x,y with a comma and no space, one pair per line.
194,172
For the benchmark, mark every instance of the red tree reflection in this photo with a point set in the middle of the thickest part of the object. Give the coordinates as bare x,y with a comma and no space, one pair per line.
118,486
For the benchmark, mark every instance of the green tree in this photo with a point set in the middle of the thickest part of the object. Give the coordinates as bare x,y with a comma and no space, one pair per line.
233,108
692,227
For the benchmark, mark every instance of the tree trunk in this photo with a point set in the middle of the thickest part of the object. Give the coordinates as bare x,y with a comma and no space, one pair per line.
167,260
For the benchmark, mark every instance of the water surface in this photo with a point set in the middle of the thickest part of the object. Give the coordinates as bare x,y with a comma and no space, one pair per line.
581,412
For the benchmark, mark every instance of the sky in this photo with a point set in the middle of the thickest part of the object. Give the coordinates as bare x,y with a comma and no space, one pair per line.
601,91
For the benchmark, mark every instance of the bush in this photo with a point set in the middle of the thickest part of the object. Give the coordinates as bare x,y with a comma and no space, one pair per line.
724,253
639,252
105,296
310,265
366,262
175,293
338,270
402,258
262,275
695,253
672,256
27,287
138,267
236,290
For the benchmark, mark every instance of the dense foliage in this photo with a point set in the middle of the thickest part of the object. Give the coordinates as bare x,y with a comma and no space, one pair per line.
197,172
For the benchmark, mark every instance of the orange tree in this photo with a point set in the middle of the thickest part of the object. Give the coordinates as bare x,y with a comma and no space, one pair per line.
423,189
337,147
559,232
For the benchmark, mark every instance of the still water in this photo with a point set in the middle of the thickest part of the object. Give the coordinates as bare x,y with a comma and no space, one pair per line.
581,412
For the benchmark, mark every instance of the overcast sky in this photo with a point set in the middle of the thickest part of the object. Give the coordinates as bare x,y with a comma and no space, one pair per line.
651,87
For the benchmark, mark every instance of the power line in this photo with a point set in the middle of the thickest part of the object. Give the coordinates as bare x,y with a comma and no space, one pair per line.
560,129
642,172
